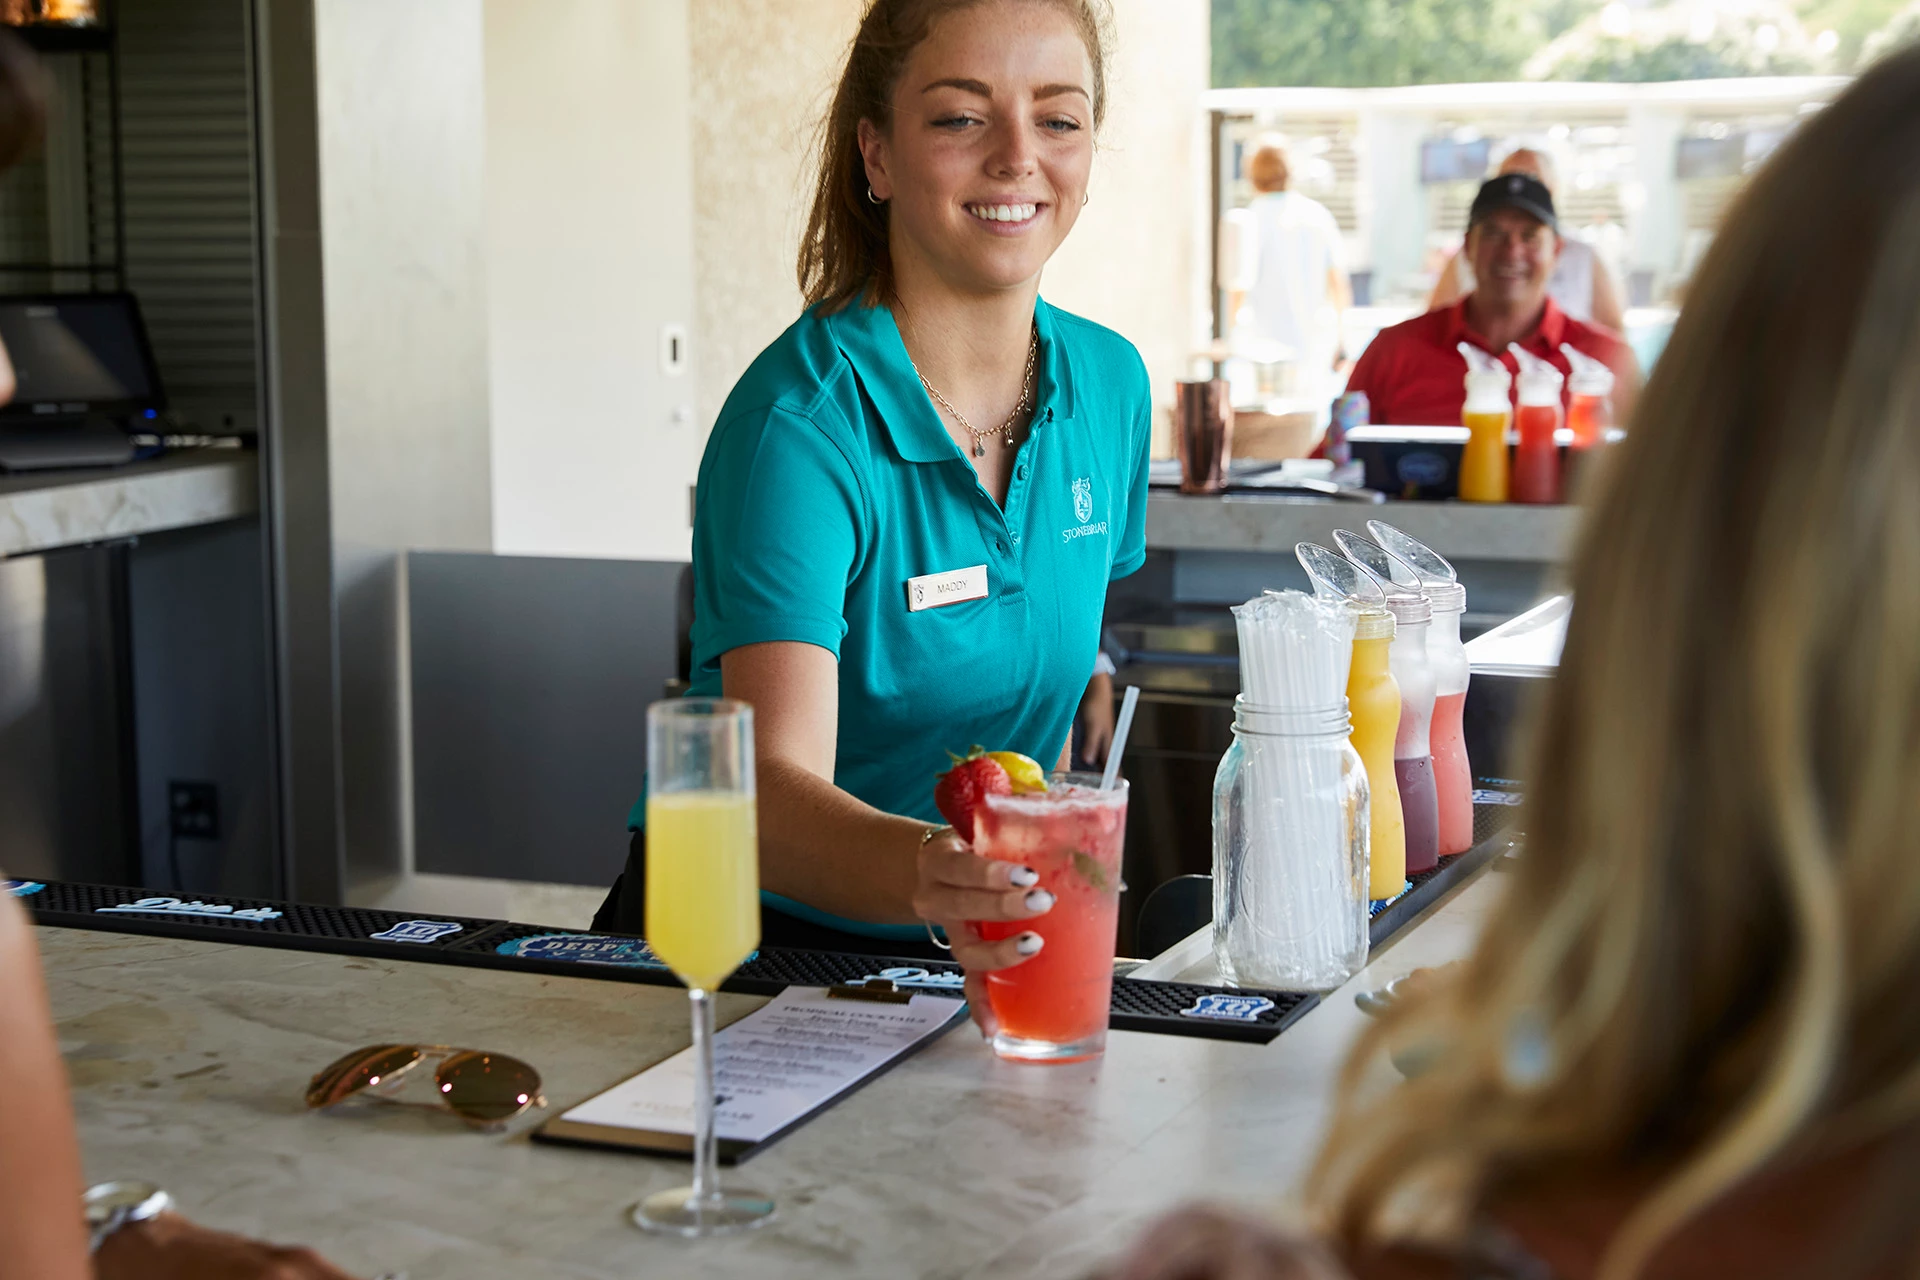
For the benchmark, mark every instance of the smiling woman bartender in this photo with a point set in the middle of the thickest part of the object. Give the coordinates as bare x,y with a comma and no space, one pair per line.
928,428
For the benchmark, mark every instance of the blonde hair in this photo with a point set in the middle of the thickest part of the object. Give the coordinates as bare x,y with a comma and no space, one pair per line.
843,252
1703,964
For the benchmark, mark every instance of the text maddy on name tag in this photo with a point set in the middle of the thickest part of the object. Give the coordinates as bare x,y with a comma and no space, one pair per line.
931,590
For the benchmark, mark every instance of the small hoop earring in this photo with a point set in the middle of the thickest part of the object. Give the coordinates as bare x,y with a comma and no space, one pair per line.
872,198
1084,197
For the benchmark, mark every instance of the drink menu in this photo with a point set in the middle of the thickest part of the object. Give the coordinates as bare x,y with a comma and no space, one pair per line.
773,1069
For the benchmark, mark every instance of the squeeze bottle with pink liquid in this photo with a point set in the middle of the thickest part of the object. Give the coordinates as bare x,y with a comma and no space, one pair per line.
1407,659
1452,771
1590,397
1536,455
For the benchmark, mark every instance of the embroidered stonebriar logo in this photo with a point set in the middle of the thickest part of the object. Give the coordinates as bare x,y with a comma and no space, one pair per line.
1083,499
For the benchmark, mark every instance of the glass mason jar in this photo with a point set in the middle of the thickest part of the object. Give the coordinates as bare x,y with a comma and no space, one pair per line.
1290,850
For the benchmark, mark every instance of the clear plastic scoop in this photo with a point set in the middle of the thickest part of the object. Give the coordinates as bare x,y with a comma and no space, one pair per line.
1530,363
1479,361
1396,577
1429,565
1337,578
1590,376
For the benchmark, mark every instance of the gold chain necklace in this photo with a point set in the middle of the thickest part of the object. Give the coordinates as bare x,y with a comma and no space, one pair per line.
1004,429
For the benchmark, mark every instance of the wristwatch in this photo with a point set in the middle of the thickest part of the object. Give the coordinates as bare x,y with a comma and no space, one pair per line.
112,1205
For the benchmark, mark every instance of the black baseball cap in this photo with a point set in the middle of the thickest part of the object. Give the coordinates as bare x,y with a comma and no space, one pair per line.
1514,191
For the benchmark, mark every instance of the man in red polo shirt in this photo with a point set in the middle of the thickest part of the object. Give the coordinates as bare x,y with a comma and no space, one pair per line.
1414,374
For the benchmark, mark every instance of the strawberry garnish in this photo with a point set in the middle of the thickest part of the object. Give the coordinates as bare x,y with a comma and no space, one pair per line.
960,789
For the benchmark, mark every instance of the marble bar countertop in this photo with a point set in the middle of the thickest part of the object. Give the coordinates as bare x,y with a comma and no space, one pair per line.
42,510
1270,522
189,1061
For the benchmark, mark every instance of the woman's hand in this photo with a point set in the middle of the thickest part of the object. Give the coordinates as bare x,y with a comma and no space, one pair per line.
957,886
1096,719
1200,1243
170,1247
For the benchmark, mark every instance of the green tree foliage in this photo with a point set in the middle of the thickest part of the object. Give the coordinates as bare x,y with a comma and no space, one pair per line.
1901,30
1612,58
1356,43
1854,21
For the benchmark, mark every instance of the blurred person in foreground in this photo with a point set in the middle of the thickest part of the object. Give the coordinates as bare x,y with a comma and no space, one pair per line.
1413,373
1580,285
1285,271
42,1231
1687,1044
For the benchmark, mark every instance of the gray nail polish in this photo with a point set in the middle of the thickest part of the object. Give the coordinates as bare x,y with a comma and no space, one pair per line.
1024,876
1039,900
1028,943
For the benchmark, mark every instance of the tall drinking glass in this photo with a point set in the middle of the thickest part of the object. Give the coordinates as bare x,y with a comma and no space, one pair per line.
703,917
1054,1007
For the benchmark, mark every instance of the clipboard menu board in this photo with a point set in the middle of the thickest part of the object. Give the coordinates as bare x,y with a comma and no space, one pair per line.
774,1070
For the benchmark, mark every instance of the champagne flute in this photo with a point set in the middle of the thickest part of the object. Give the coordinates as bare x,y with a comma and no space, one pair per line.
703,918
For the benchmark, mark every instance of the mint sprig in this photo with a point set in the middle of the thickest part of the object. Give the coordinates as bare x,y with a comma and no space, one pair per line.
1090,870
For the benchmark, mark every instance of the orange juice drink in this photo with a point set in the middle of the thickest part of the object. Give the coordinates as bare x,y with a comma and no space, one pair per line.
1487,414
1373,704
1053,1008
1483,465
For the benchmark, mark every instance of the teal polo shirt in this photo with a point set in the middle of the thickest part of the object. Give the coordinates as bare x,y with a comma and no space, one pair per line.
829,483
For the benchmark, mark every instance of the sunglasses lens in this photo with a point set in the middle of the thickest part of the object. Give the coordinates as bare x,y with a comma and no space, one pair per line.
487,1086
361,1069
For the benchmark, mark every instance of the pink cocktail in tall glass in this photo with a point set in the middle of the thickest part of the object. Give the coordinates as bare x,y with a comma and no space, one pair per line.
1053,1008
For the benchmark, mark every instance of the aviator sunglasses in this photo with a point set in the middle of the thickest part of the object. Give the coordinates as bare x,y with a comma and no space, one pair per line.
481,1088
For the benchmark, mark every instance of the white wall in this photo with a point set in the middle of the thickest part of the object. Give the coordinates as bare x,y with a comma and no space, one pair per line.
1137,260
762,77
405,277
589,224
401,159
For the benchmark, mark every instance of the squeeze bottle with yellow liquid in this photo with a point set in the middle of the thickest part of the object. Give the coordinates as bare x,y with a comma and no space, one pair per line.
1487,414
1373,710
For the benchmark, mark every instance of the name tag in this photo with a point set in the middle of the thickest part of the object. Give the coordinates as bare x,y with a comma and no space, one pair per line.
930,591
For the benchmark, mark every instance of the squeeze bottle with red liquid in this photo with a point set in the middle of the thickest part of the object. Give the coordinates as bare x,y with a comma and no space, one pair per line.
1373,709
1407,660
1486,415
1452,771
1536,459
1589,397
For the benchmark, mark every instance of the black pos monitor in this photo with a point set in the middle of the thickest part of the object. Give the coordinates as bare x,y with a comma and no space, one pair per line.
83,378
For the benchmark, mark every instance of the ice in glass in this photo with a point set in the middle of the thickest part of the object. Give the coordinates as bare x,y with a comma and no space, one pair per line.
1053,1008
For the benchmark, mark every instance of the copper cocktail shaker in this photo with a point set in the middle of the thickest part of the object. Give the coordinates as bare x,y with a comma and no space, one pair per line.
1203,434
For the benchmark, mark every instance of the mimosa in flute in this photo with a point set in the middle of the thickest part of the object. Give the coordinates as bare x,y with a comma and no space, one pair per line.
703,918
703,883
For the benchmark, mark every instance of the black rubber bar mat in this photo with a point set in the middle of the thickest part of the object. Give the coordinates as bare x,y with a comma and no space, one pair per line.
1428,887
1165,1008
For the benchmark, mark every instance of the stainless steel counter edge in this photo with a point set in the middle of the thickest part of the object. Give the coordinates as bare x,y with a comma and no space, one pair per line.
1457,530
40,512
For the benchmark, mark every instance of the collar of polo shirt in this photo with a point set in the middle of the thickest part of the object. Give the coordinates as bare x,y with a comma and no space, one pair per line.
871,341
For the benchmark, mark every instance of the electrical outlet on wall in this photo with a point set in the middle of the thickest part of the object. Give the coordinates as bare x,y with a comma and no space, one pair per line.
193,810
673,349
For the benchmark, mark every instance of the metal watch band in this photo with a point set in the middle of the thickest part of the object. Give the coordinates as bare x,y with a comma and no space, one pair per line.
109,1206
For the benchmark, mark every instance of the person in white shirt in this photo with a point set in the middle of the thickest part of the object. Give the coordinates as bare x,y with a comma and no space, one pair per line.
1283,266
1580,285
